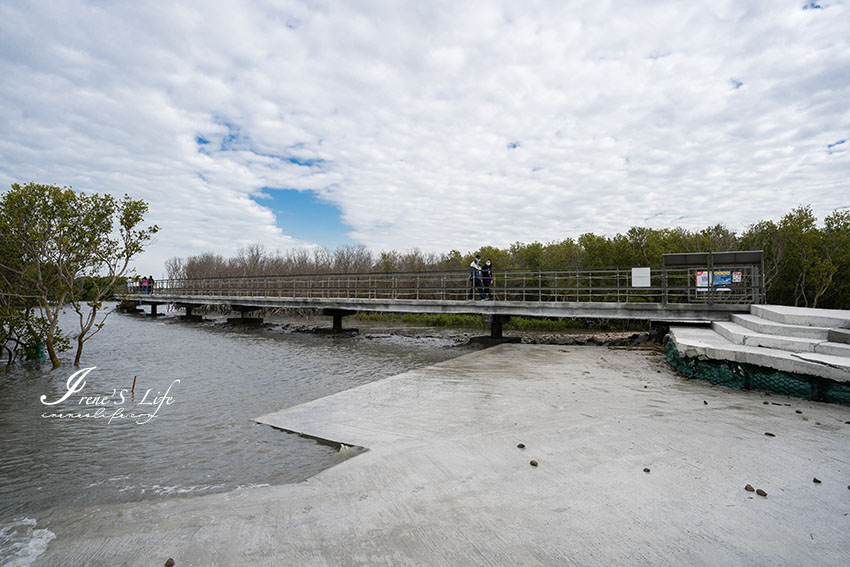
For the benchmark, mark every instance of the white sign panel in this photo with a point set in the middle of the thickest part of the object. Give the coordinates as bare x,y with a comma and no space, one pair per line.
641,277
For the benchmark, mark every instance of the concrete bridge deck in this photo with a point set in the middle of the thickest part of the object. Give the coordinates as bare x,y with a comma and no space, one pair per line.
608,310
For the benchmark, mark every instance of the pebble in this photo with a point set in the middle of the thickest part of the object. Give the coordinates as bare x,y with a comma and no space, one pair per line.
647,470
761,492
766,403
799,411
521,446
769,434
705,402
805,418
816,480
169,562
749,488
533,463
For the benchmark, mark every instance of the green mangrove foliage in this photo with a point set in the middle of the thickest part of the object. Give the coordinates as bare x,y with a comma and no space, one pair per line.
62,249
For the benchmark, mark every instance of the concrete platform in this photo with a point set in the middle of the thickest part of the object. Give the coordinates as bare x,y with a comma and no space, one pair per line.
802,315
443,482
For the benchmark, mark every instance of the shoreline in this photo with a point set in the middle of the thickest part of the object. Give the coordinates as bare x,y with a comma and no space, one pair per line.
443,482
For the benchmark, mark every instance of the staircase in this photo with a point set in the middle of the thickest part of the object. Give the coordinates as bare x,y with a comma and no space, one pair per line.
814,342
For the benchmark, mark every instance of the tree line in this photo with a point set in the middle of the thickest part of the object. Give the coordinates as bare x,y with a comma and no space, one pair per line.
806,263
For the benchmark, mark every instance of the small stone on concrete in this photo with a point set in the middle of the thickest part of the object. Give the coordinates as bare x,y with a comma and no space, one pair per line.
749,488
766,403
761,492
769,434
705,402
645,470
169,562
816,480
798,411
521,446
533,463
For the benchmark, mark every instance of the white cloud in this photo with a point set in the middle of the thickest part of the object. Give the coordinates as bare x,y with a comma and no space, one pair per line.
436,125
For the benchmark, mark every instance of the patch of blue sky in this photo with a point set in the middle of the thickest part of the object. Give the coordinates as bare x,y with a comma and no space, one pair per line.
306,216
237,140
736,83
812,6
834,147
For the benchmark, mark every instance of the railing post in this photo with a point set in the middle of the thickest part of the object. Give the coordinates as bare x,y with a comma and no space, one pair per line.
539,285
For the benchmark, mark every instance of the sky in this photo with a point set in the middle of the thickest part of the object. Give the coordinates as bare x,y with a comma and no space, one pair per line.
432,125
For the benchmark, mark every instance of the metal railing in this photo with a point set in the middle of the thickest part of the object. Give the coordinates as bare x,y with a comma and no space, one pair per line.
740,285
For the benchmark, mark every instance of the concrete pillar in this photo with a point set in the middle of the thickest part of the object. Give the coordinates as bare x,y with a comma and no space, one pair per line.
496,325
336,327
242,320
189,316
153,310
496,337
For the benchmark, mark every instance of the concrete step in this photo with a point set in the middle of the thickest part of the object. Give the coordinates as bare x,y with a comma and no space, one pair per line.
802,315
698,342
768,327
839,336
741,335
835,349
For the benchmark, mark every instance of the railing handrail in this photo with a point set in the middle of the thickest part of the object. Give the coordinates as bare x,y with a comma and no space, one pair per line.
460,271
675,284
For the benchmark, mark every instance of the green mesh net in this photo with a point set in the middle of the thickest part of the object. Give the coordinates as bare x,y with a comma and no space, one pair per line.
749,377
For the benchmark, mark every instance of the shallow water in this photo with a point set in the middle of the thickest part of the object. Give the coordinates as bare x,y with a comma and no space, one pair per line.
202,439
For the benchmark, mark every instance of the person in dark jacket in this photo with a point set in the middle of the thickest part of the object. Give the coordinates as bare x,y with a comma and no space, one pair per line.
475,278
487,278
150,284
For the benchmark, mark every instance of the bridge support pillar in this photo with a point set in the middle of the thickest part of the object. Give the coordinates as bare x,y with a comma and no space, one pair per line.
496,338
154,311
337,315
242,319
189,316
496,325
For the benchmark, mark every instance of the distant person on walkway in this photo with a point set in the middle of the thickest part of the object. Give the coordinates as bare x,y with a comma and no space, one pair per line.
144,285
475,278
150,284
487,278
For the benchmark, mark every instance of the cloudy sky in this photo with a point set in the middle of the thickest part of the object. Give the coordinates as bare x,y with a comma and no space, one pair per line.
435,125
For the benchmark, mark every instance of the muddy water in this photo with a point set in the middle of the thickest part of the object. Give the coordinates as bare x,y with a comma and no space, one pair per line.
187,428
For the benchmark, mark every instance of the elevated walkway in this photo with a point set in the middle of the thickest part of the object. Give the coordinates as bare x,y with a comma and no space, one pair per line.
811,342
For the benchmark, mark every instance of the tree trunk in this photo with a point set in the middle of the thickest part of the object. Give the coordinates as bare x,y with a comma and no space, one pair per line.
79,354
51,351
